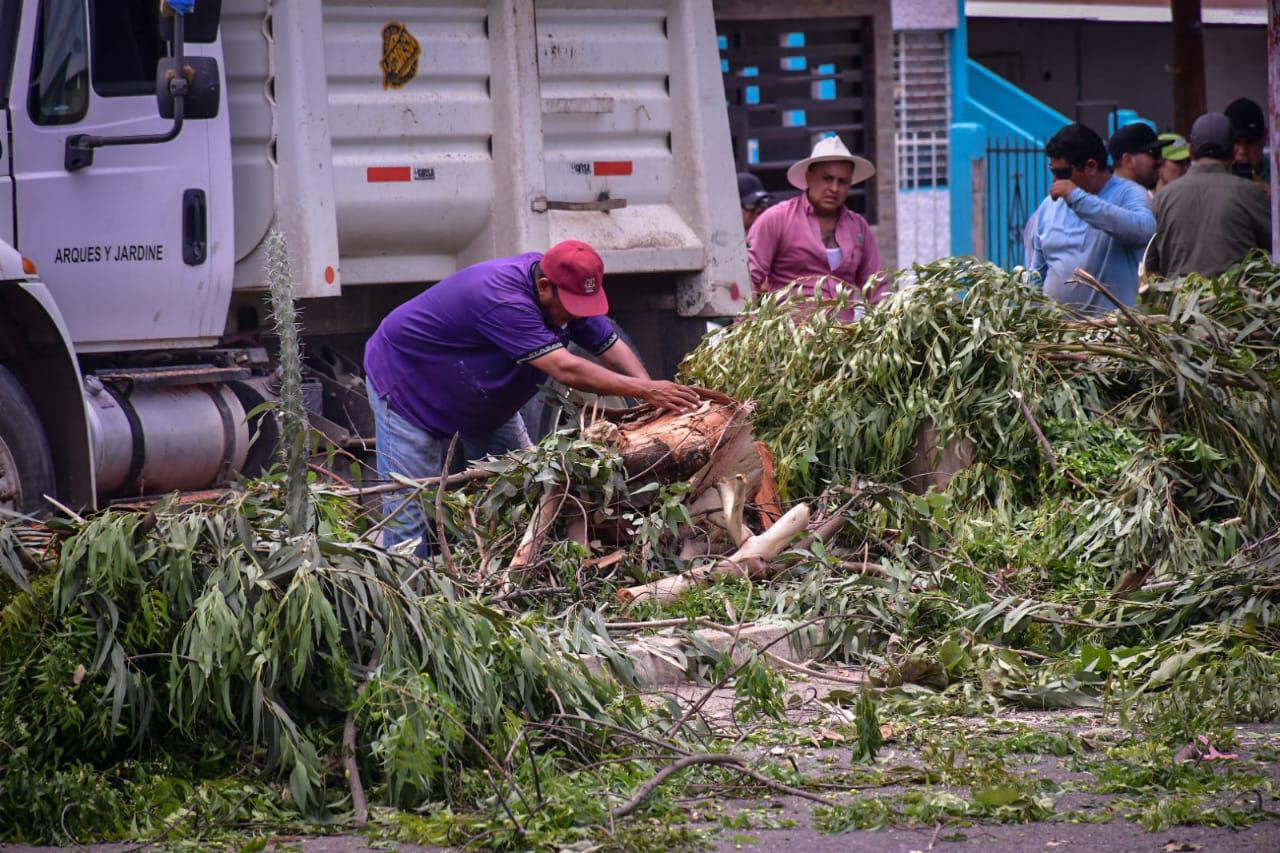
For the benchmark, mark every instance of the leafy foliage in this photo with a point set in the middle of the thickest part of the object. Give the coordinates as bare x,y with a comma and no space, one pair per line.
191,626
1113,546
1158,462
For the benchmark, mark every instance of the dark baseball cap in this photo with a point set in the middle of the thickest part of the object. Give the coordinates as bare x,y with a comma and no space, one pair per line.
578,274
1246,119
1136,138
1211,137
750,191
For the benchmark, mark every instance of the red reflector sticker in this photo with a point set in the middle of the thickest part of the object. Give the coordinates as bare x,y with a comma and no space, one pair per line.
385,174
611,167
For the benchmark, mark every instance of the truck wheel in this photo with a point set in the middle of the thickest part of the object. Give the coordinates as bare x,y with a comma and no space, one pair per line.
26,465
546,412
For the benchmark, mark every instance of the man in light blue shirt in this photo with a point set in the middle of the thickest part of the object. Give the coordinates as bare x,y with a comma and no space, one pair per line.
1092,220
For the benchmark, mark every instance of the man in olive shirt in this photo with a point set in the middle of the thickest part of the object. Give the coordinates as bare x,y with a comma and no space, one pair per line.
1208,220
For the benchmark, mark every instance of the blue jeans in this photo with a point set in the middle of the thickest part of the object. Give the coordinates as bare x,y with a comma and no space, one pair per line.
406,449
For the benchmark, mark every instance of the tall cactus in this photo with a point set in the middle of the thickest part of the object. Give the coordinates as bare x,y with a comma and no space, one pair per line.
292,413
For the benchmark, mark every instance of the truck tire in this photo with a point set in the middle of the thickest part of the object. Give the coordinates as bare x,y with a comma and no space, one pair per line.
26,465
546,413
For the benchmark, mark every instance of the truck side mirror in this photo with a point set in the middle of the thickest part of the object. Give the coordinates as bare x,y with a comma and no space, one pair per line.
185,88
201,25
204,92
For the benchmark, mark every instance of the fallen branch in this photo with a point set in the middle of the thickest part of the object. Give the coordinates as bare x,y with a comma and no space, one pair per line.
359,804
1035,428
748,561
733,500
466,476
606,561
802,669
534,535
643,792
1111,321
864,568
440,528
829,527
717,759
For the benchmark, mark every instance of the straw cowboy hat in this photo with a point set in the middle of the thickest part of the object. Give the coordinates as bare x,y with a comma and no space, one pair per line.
828,149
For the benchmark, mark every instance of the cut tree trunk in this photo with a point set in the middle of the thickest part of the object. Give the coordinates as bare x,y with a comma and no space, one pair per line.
711,447
932,464
665,447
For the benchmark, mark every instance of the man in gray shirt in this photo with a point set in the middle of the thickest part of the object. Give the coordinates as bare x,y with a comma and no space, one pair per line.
1208,220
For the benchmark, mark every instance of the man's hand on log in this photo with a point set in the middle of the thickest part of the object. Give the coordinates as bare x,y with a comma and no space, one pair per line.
671,396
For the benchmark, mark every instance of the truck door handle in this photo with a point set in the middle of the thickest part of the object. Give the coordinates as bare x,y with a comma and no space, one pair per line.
195,228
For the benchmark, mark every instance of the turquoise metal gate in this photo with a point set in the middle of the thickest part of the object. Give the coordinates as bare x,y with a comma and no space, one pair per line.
1017,180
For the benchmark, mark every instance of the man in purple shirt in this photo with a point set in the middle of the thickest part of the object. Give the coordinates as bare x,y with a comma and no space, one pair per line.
462,357
813,240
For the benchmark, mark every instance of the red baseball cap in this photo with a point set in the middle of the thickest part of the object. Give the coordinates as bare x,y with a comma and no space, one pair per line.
578,274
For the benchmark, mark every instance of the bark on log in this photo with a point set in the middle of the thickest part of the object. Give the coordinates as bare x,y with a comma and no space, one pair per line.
664,447
733,454
932,464
767,503
748,561
702,545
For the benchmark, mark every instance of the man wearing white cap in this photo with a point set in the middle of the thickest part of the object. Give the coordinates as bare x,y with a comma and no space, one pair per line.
813,241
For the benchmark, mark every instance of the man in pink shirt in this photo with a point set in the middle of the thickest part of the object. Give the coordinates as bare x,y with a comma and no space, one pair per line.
813,240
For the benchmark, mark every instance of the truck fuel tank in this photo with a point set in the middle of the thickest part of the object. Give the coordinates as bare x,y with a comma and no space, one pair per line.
151,437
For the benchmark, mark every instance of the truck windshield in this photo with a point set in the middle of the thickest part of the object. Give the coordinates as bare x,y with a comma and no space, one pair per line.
9,10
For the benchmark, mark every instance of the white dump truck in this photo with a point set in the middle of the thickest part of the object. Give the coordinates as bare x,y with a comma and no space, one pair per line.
145,162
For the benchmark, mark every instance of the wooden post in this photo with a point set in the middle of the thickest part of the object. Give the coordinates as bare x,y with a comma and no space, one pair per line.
1189,101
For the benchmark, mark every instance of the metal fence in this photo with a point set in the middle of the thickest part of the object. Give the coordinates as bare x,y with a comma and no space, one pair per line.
1017,180
924,203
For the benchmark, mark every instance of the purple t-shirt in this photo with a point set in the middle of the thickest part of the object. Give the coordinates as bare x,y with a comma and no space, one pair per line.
454,358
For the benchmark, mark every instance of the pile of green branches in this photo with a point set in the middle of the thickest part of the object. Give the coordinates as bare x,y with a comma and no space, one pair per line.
965,342
209,635
1112,538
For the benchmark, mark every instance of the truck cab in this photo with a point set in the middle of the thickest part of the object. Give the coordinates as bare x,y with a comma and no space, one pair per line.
391,145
